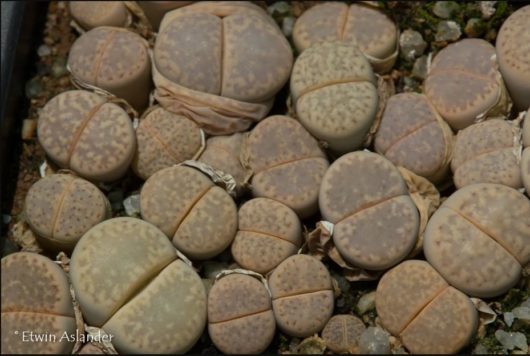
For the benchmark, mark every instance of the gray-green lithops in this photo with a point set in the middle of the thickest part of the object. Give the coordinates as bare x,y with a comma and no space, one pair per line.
479,239
37,308
366,198
240,317
113,59
90,14
419,307
198,216
130,283
268,233
86,133
513,50
342,333
413,135
302,295
164,139
488,152
368,28
464,83
334,94
61,208
290,174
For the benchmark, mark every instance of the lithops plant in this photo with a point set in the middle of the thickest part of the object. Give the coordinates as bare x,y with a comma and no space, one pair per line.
287,163
223,153
413,135
375,220
302,295
513,48
90,14
334,94
229,81
365,26
130,283
60,208
488,152
342,333
164,139
240,317
479,238
464,83
419,307
268,233
155,10
115,60
37,308
86,133
198,216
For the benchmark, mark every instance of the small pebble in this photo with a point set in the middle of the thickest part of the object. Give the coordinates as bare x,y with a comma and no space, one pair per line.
33,88
6,219
58,68
444,9
412,44
366,303
43,51
487,8
131,204
287,26
474,27
279,8
512,340
419,70
447,31
29,126
522,313
508,318
480,350
374,340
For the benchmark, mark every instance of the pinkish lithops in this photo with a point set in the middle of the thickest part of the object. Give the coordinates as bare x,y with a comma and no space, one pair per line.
86,133
334,94
230,80
240,317
130,283
464,84
115,60
165,139
37,309
155,10
376,222
479,239
302,295
198,216
268,233
488,152
342,333
363,25
223,153
513,50
287,163
61,208
420,308
413,135
90,14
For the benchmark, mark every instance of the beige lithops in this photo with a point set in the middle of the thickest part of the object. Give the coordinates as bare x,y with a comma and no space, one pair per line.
155,10
417,305
240,317
342,333
488,152
376,221
60,208
268,233
525,169
129,282
82,131
513,50
230,80
464,83
479,238
223,153
283,171
334,94
302,295
369,29
164,139
37,308
90,14
526,129
115,60
413,135
198,216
